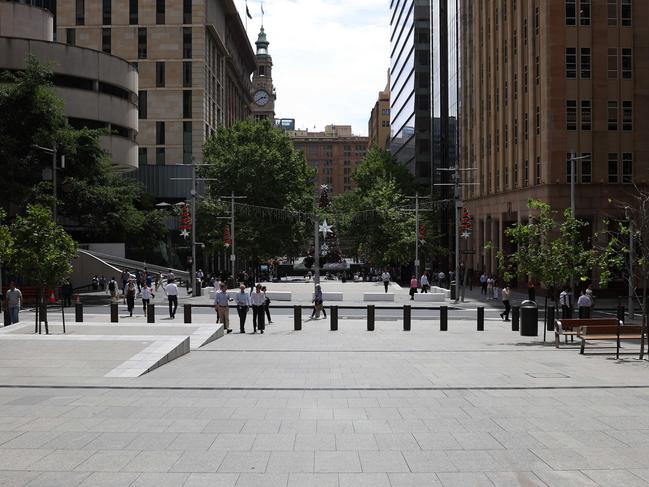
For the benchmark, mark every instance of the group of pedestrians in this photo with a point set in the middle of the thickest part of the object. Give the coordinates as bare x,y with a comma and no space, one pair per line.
244,301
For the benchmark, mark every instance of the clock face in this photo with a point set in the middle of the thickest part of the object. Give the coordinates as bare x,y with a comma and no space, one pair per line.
261,98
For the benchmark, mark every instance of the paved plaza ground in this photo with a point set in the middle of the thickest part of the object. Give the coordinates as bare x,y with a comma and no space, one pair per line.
349,408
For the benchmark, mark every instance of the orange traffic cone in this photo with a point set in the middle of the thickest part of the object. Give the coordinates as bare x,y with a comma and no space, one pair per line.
52,297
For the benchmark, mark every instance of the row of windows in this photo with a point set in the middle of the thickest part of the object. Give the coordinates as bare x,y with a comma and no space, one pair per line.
617,11
107,12
613,115
516,176
616,172
144,110
143,152
622,58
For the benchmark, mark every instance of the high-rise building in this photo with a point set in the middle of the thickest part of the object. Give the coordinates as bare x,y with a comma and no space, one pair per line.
334,154
194,60
378,127
263,106
410,87
546,84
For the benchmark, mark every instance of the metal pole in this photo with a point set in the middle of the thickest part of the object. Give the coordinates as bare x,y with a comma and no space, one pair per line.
316,256
54,184
631,257
457,231
417,235
194,226
573,158
233,257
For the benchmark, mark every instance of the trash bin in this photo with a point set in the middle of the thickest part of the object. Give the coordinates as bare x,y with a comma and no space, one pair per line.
453,290
529,319
199,290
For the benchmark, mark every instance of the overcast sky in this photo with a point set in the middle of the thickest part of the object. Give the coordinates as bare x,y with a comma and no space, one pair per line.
330,57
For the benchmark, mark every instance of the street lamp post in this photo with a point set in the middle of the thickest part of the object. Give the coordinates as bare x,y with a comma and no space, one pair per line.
54,153
573,178
631,257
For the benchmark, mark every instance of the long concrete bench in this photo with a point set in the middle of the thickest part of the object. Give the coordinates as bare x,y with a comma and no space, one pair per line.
330,296
441,290
431,297
279,295
378,297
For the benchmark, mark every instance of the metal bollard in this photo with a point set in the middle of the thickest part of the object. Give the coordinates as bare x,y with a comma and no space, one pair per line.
334,318
407,315
150,313
114,313
187,312
620,313
443,318
480,318
516,316
370,317
78,313
297,318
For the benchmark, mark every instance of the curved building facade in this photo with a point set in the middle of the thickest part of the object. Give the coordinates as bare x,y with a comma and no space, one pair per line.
99,90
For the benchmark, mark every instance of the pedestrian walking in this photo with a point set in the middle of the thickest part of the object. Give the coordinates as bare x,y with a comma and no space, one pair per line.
257,300
242,299
506,294
425,284
564,301
13,302
171,291
266,304
318,303
490,288
125,277
66,293
584,304
112,287
138,280
129,296
102,283
413,287
441,277
147,296
385,277
221,306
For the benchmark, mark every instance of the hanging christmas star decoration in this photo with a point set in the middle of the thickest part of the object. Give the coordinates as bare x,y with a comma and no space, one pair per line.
466,234
324,187
185,222
184,234
325,228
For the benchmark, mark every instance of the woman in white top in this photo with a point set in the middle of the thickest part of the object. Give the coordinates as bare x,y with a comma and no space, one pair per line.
147,296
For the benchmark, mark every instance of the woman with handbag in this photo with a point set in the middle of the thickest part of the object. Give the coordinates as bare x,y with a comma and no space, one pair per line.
129,296
266,304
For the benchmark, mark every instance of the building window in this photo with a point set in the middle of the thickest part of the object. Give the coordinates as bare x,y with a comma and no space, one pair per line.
141,43
515,176
80,12
159,74
160,133
187,104
585,63
538,120
187,142
584,12
160,11
571,12
526,126
571,114
612,115
537,65
612,63
627,167
537,171
70,37
142,104
571,62
132,12
626,10
187,11
586,168
537,21
613,168
107,12
105,40
586,115
187,74
627,63
187,42
627,115
612,12
160,156
142,156
569,163
526,173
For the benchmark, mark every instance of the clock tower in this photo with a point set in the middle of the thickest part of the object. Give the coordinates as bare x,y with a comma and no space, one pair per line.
263,92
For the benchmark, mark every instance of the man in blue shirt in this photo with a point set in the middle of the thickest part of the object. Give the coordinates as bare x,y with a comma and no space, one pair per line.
221,301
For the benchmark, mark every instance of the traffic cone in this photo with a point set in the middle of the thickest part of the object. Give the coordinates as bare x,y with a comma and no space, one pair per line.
52,297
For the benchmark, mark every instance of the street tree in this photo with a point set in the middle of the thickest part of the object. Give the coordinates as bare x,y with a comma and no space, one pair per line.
258,161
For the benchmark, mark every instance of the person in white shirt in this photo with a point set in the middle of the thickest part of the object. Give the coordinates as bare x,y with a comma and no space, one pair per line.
147,296
385,277
258,299
441,277
584,304
221,306
172,295
425,285
242,299
564,301
505,297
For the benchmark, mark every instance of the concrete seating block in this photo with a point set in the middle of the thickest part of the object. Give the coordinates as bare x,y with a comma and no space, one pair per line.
441,290
378,297
280,295
430,297
330,296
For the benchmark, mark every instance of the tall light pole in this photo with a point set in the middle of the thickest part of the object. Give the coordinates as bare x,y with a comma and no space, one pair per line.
573,178
631,257
54,153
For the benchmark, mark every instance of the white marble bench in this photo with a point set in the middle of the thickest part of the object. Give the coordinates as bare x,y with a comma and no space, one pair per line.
330,296
431,297
378,297
440,290
279,295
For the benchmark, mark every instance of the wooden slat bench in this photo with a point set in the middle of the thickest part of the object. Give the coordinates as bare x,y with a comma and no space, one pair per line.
570,327
605,332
